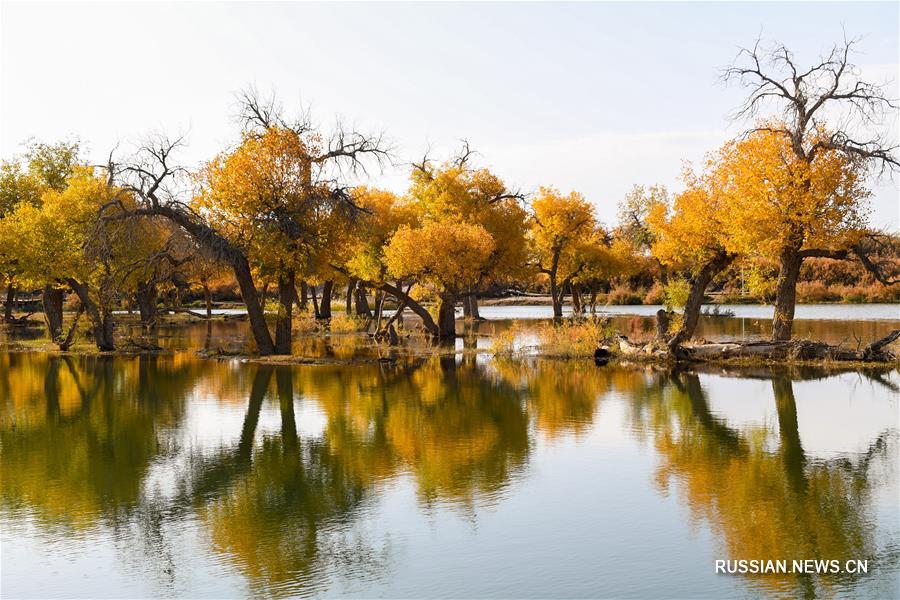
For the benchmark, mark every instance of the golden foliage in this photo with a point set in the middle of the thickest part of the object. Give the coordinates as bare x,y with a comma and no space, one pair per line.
445,255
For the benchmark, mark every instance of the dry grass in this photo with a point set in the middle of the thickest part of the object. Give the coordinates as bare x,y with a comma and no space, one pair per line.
306,324
624,295
574,338
656,294
346,324
504,342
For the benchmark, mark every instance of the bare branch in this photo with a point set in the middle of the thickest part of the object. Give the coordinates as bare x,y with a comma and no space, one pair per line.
771,77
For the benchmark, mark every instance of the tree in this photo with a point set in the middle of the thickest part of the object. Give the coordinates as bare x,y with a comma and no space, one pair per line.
309,176
688,236
634,211
203,271
23,180
593,262
456,190
156,257
257,193
382,213
558,224
16,187
447,257
786,208
53,164
827,115
63,242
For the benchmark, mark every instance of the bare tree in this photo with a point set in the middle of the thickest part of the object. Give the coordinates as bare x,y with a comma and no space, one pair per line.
832,91
163,190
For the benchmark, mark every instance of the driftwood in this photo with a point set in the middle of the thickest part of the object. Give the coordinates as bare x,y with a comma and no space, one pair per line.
23,321
653,348
187,311
131,344
788,350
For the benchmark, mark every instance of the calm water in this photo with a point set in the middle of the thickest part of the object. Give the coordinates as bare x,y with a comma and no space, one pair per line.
848,324
829,312
442,476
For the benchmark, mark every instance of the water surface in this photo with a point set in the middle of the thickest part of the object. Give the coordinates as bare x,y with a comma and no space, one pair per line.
443,476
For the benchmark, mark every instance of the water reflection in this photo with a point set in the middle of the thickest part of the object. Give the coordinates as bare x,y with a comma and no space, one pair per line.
282,474
764,498
78,434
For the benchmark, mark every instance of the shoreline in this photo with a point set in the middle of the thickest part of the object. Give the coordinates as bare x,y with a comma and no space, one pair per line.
398,355
720,350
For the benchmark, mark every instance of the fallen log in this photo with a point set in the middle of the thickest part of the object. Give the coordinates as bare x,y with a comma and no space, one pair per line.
877,347
776,350
190,312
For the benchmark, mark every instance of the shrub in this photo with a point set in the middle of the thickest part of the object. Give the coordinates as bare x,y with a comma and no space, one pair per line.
816,291
868,293
574,338
71,302
676,293
504,342
305,323
622,294
656,294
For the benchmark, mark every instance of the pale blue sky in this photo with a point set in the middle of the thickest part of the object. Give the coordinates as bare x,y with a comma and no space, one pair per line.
595,97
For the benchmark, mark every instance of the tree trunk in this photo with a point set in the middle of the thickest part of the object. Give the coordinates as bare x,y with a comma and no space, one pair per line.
101,318
65,342
315,302
362,302
555,298
427,321
694,303
577,307
255,312
207,297
146,297
470,307
10,302
264,296
388,332
446,323
662,325
300,305
52,298
593,298
213,240
348,304
284,319
786,294
325,303
875,350
379,309
304,296
176,296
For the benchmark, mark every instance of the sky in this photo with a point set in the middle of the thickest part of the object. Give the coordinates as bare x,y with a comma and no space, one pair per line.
595,97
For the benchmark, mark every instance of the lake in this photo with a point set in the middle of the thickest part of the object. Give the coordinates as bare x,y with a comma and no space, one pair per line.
439,475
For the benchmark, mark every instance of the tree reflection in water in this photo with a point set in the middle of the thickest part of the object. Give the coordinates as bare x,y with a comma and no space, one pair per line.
765,504
83,440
